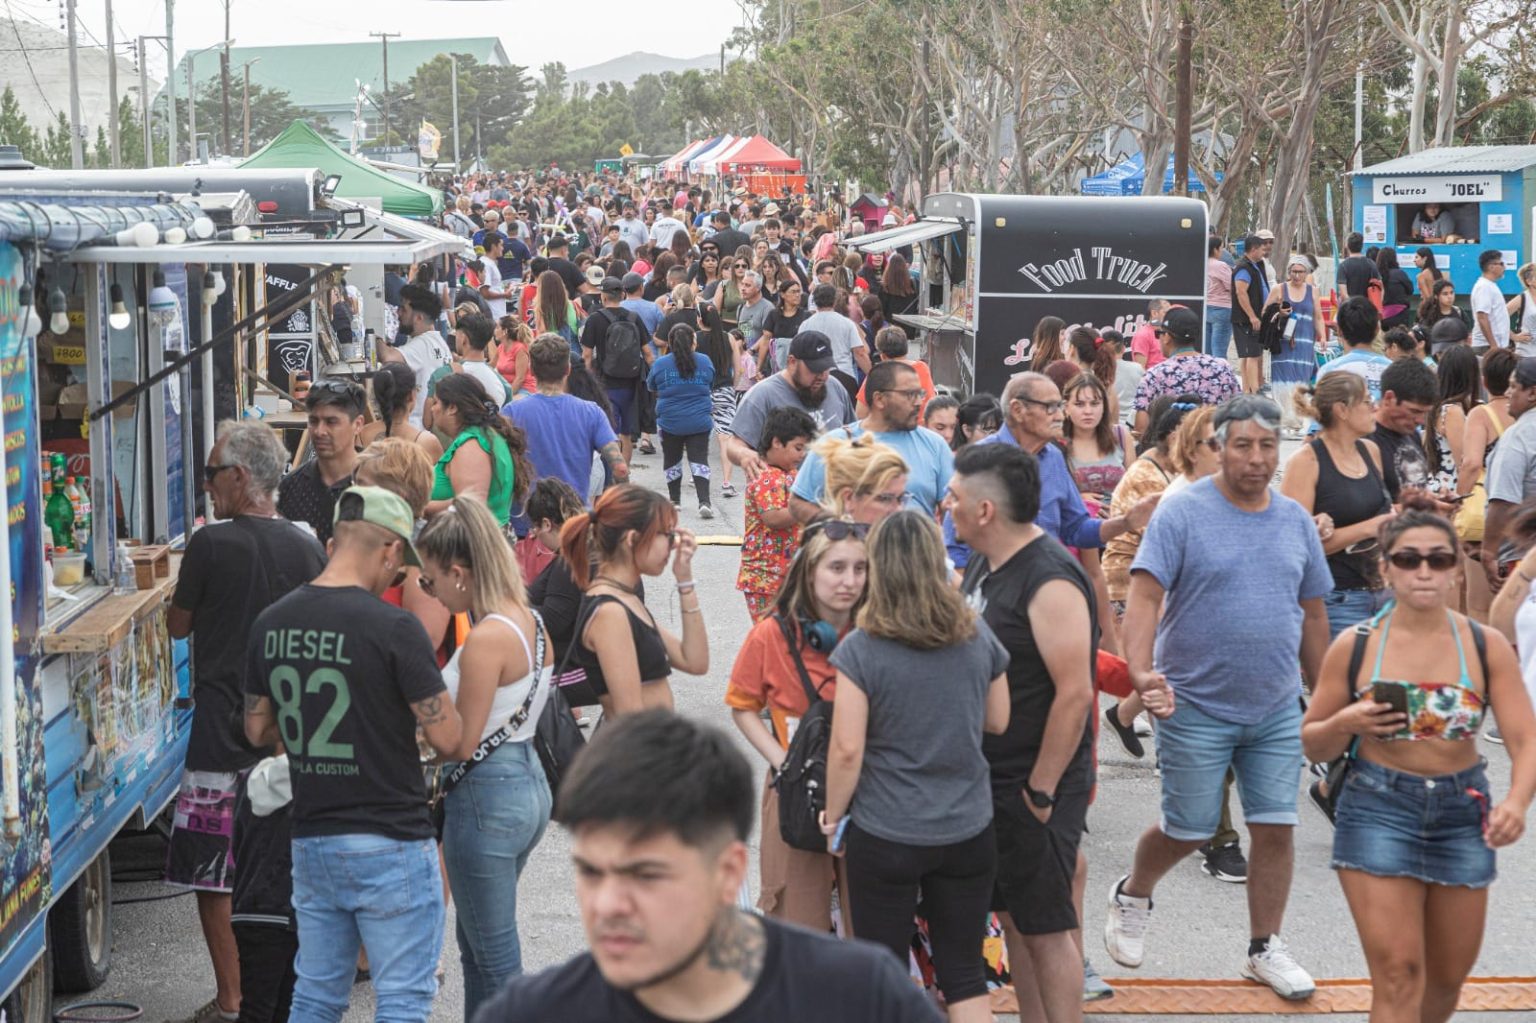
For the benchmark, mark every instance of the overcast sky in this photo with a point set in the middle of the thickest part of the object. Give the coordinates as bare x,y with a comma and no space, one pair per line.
581,33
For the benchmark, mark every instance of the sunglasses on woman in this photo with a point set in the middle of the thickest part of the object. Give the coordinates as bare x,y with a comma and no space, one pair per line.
836,529
1410,560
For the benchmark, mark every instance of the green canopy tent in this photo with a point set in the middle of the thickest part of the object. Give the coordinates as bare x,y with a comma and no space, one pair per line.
301,146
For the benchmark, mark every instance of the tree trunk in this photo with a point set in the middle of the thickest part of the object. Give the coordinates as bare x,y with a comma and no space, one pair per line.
1445,123
1420,86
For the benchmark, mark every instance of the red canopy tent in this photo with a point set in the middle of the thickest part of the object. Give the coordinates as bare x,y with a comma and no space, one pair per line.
758,154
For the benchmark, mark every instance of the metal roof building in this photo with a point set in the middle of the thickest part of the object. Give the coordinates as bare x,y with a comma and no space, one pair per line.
1459,160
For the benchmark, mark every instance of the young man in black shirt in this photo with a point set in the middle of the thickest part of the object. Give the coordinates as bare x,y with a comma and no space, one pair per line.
308,494
659,810
1040,603
1409,391
231,572
343,679
1355,271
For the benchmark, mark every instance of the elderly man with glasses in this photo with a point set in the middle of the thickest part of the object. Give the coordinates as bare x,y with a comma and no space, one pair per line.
1228,696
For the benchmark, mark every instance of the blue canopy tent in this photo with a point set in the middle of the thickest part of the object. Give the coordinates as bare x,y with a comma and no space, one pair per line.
1129,176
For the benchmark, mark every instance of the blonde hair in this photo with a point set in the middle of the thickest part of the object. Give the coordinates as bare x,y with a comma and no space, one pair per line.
1317,401
1186,440
466,533
864,466
910,599
401,467
1527,275
684,295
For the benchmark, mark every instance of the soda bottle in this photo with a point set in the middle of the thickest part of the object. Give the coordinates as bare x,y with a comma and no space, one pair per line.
82,506
60,467
59,515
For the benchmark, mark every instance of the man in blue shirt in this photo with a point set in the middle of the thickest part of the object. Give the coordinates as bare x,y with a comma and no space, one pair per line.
1034,412
1227,695
564,431
895,398
649,312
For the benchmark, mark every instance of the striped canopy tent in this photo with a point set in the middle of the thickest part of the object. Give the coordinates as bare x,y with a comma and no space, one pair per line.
756,153
710,162
703,161
678,165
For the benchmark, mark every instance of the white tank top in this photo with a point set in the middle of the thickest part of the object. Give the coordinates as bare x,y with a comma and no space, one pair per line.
510,697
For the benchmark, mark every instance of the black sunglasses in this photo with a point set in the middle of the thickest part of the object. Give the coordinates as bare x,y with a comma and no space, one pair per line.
836,529
1410,560
210,470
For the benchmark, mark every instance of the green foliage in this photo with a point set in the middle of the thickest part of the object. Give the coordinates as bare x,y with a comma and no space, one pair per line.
271,112
14,129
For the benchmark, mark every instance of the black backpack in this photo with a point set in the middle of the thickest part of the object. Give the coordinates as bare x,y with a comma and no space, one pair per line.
802,781
623,346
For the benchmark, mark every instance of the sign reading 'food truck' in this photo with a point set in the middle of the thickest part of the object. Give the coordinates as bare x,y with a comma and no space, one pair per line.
1103,266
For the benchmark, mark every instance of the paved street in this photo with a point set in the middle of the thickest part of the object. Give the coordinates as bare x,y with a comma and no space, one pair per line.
1200,927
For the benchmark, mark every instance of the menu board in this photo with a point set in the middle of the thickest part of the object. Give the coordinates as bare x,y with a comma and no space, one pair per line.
25,876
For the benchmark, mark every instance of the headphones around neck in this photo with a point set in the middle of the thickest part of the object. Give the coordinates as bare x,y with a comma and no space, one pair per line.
820,636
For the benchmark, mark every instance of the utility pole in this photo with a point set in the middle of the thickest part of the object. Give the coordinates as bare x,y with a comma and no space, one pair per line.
245,103
385,37
76,150
1185,99
454,60
1359,107
170,82
114,144
191,105
224,78
149,142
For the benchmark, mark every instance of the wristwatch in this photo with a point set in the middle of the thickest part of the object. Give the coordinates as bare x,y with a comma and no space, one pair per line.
1042,800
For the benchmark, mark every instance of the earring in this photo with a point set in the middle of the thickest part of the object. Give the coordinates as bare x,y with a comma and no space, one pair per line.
459,585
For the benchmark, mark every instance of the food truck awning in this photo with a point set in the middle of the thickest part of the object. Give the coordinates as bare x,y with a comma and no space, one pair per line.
907,234
384,239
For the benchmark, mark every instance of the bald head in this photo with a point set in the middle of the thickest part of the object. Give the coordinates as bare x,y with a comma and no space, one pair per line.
1027,385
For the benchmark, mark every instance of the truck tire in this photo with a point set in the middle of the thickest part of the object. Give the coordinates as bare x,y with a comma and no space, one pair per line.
32,1001
80,930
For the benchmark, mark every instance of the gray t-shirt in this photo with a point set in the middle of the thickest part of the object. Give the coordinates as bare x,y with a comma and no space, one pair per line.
844,334
924,780
1229,637
776,392
750,318
1512,471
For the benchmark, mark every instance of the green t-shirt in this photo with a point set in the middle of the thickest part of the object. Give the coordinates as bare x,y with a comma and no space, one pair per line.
499,500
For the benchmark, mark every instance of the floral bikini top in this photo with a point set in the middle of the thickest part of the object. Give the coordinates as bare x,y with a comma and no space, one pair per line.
1436,710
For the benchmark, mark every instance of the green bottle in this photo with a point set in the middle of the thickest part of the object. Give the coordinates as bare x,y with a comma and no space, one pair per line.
59,515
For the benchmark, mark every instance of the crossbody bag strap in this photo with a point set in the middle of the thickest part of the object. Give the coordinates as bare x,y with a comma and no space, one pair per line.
811,694
490,743
1480,643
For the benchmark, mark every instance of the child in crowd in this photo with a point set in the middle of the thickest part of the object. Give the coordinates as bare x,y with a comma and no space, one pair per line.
771,535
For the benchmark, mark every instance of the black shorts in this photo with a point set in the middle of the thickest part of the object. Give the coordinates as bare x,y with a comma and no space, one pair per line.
1247,341
1036,862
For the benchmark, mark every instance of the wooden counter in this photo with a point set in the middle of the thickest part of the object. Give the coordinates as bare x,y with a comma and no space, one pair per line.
106,623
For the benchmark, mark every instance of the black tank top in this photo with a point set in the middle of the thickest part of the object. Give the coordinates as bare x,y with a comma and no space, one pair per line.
1349,501
650,649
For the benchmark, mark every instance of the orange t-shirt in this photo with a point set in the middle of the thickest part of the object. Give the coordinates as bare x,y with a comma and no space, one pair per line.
924,380
764,675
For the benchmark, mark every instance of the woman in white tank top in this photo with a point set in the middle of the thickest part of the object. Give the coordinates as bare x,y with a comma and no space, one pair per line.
499,680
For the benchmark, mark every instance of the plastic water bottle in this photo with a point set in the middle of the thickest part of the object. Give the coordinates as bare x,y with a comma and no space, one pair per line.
124,580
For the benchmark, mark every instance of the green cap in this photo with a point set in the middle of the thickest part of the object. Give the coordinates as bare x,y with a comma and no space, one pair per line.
381,508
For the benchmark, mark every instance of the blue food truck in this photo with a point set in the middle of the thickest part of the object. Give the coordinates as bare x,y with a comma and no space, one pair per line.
127,319
1482,197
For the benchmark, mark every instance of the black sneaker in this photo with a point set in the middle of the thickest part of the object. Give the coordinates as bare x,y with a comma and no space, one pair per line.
1225,863
1319,800
1126,733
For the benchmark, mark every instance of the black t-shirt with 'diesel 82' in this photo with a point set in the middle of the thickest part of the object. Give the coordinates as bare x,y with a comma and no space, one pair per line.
342,669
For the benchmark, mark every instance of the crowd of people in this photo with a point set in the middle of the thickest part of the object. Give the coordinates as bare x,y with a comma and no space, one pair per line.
436,637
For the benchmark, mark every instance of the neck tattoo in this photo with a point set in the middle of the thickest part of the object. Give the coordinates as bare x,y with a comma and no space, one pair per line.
738,945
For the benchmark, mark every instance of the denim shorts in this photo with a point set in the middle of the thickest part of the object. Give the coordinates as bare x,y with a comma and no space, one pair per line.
1394,824
1194,751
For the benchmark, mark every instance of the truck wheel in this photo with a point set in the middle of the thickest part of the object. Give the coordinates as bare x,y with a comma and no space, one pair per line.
80,930
32,1001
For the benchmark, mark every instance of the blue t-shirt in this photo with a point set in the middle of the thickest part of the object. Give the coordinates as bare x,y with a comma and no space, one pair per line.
1062,512
930,464
649,312
1230,636
564,432
513,254
1365,364
682,403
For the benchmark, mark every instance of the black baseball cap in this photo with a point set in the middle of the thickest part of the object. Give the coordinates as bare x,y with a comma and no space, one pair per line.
1449,330
1183,324
1525,371
612,286
814,349
632,281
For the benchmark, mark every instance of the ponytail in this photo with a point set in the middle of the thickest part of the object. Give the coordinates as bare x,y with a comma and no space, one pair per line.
597,535
466,533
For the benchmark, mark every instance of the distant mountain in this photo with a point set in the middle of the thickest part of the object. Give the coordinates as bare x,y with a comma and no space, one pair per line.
632,66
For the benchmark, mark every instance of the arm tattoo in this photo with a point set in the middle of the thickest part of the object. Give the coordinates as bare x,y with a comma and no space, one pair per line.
255,704
738,945
429,711
613,460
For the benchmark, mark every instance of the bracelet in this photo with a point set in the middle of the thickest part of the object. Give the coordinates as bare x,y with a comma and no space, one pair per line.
687,587
693,610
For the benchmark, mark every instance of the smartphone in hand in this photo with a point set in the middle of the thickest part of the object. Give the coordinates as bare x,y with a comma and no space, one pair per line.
1391,694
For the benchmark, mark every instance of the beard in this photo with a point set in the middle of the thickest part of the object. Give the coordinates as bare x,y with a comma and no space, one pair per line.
812,394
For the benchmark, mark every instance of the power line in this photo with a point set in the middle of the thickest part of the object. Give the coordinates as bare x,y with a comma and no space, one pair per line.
52,113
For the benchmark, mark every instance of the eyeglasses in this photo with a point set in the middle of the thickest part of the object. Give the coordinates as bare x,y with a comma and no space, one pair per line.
740,266
343,387
210,471
892,500
836,529
1051,407
1212,443
1410,560
912,394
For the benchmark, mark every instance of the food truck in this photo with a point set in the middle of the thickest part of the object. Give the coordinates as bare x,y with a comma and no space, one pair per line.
992,265
1487,195
113,305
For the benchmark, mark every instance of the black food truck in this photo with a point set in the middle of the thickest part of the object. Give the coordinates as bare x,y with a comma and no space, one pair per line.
993,265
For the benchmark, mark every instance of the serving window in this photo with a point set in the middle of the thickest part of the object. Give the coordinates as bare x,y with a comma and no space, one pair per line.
1438,223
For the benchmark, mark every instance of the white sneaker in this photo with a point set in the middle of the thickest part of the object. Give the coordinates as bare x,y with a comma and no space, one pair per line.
1142,725
1125,930
1275,968
706,512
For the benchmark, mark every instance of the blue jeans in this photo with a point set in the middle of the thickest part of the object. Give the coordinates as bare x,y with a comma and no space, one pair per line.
494,818
1349,607
1194,751
1218,331
381,893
